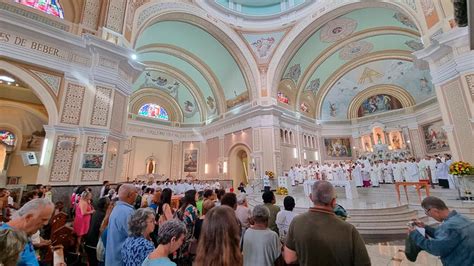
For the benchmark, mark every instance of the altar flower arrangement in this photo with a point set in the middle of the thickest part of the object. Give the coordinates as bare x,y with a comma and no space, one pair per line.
282,191
461,168
270,174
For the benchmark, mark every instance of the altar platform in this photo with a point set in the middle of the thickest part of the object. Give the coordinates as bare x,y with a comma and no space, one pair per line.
376,213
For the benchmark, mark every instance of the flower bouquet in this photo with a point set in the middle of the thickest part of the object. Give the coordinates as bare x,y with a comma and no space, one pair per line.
270,174
461,168
282,191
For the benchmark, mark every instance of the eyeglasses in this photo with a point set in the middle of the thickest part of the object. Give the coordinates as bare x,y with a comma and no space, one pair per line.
427,212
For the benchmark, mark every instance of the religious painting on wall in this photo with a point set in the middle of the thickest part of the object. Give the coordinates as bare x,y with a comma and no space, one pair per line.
429,10
378,104
33,142
338,147
282,98
190,161
92,161
238,99
435,137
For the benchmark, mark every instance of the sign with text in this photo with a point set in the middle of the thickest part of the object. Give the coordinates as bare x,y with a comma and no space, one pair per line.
42,47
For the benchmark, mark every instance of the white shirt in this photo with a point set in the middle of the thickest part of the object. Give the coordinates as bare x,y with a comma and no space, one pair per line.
266,181
283,221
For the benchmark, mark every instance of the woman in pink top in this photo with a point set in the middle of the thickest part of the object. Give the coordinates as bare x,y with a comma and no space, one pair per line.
82,219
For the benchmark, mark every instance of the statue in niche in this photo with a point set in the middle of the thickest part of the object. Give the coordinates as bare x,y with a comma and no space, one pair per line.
396,142
150,166
379,138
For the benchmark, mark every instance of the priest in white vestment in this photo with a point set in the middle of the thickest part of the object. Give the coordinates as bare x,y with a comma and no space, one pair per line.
292,176
413,172
357,175
387,173
374,179
397,171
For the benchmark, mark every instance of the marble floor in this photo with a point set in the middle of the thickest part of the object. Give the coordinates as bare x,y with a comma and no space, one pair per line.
380,251
393,254
370,198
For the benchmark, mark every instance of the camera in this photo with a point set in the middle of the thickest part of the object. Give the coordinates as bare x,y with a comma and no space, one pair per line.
411,224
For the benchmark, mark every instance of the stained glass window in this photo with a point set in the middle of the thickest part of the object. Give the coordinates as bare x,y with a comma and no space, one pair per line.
51,7
154,111
7,137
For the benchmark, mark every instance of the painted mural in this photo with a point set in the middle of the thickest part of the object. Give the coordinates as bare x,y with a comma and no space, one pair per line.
344,27
238,100
181,93
402,18
313,86
355,49
190,161
338,147
337,29
281,97
435,137
33,142
405,74
378,104
293,73
263,44
430,13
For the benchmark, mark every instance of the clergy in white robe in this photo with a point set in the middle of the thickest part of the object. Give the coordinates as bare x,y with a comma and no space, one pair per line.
432,169
357,176
292,176
413,172
374,179
387,172
397,171
422,166
442,173
379,171
365,172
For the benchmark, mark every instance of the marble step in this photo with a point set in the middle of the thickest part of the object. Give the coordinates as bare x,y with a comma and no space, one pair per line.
387,210
377,223
384,216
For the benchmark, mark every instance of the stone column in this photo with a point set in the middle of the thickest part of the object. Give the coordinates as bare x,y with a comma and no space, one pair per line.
452,68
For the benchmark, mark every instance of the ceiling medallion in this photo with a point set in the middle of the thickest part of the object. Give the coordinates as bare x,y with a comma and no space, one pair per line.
338,29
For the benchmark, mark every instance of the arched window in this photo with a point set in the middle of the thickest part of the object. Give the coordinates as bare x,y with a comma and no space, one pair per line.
153,111
51,7
7,137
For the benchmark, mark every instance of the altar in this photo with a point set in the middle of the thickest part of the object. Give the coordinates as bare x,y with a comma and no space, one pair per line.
349,186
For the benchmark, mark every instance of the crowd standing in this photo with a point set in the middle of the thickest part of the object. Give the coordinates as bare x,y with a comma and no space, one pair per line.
145,225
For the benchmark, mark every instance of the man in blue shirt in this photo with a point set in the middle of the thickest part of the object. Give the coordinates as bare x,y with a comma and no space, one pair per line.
29,219
118,224
452,240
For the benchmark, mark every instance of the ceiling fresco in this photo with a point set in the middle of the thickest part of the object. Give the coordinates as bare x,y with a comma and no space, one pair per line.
405,74
259,8
341,28
175,88
198,55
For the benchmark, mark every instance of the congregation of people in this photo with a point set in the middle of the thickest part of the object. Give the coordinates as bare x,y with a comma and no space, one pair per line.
142,226
372,173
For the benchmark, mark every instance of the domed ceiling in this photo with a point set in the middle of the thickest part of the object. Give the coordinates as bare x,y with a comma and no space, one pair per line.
259,8
328,69
193,67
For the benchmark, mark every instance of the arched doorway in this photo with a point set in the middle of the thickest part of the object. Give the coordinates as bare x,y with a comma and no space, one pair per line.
26,107
239,159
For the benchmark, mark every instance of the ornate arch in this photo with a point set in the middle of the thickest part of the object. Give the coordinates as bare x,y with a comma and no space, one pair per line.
41,91
197,63
397,92
298,35
153,12
148,95
184,79
376,56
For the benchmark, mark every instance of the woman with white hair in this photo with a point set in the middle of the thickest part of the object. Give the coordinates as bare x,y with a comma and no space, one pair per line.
138,244
171,236
243,212
260,245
